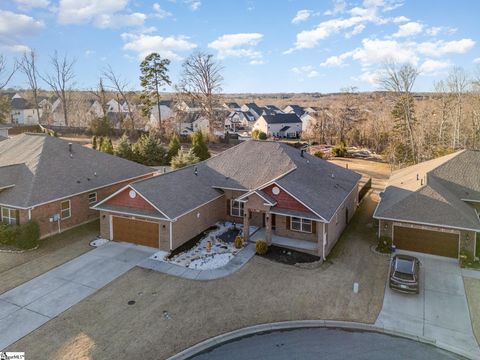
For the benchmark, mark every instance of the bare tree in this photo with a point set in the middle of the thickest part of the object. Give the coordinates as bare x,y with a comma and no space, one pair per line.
348,112
28,67
120,86
60,80
445,104
201,82
457,83
5,74
100,95
400,82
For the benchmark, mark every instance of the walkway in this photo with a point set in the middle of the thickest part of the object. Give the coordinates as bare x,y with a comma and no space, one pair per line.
32,304
233,265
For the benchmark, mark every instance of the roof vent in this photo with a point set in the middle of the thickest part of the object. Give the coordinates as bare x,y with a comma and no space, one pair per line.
333,176
70,147
195,170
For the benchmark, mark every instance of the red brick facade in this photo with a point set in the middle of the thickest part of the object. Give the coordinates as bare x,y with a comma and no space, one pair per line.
80,212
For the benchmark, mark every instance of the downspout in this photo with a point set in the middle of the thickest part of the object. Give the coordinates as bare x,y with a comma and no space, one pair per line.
30,214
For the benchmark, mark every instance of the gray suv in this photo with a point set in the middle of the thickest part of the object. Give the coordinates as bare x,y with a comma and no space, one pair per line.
404,274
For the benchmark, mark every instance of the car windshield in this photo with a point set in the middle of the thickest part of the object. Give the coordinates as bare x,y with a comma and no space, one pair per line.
404,269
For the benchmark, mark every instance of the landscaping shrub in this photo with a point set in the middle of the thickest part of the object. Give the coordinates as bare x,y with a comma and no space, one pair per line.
384,245
261,247
340,151
319,154
238,242
262,136
8,234
28,235
200,146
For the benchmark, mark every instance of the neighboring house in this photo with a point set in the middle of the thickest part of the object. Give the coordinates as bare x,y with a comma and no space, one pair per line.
312,109
295,109
308,120
56,116
188,106
166,112
239,119
279,125
273,109
55,182
189,122
297,200
433,207
95,109
231,106
22,111
254,109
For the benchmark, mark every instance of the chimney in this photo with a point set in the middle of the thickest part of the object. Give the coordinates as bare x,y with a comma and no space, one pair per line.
70,147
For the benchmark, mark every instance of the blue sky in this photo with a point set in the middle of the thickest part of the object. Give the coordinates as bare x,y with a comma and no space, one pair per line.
264,45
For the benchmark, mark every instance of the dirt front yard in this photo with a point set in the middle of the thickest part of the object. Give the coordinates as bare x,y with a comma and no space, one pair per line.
171,314
472,288
17,268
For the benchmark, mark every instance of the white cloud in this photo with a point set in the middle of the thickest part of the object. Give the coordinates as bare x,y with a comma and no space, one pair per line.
400,19
437,30
307,70
339,6
432,67
336,61
237,45
102,13
441,47
159,12
168,47
302,15
89,52
194,5
257,62
375,51
476,61
13,24
409,29
356,30
29,4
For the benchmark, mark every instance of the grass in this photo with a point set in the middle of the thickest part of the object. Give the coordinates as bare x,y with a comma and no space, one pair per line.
472,289
17,268
103,325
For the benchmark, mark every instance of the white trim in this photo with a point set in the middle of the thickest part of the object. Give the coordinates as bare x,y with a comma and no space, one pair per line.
109,197
110,226
131,214
321,217
199,206
148,201
226,188
268,202
69,209
301,225
6,187
241,208
96,197
324,235
427,224
467,200
9,210
278,212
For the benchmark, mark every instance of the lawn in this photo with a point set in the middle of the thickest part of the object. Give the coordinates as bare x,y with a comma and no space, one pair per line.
16,269
472,288
170,314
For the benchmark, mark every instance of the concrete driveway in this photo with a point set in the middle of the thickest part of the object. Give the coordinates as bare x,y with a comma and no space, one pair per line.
440,312
30,305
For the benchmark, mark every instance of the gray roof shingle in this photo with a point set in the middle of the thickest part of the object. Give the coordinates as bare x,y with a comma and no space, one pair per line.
432,192
282,118
42,169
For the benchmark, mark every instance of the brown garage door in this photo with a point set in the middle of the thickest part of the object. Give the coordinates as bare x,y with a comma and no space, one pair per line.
135,231
426,241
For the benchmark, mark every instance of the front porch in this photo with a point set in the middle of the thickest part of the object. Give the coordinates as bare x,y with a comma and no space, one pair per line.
295,244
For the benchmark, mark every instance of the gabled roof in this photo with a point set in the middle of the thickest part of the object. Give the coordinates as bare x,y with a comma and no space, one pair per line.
432,192
232,105
19,103
42,169
282,119
295,108
251,165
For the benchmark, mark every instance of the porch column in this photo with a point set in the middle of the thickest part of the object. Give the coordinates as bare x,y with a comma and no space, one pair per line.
320,232
268,227
246,225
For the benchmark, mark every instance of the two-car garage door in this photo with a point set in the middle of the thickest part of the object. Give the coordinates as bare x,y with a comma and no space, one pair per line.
135,231
426,241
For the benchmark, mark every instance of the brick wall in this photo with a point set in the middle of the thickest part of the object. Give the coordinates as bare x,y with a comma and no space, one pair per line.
283,229
229,196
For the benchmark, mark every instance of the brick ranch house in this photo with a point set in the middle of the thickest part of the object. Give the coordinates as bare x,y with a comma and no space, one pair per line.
433,207
271,185
55,182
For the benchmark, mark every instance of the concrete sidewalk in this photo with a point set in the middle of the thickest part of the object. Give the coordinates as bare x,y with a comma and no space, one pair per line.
180,271
30,305
440,312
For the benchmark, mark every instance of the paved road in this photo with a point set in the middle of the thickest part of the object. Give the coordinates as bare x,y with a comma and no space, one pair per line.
30,305
441,288
325,344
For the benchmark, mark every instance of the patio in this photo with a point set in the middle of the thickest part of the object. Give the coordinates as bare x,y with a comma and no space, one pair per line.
284,241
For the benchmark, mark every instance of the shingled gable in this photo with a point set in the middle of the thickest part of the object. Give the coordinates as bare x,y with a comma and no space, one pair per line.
247,167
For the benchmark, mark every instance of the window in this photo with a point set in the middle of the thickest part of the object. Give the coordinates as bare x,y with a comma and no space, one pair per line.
300,224
236,209
9,216
92,198
65,211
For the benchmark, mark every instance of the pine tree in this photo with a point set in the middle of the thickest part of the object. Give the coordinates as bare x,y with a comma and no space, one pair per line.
148,150
184,158
107,146
124,148
199,146
173,148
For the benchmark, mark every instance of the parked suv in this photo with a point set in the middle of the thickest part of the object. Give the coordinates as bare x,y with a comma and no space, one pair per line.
404,274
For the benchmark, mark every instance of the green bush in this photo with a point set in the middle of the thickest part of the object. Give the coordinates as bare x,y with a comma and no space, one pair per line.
340,151
319,154
8,234
384,245
200,146
258,135
261,247
262,136
238,242
28,235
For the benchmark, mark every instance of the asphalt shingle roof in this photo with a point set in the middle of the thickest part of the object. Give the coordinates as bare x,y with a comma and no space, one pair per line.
432,192
282,119
42,169
322,186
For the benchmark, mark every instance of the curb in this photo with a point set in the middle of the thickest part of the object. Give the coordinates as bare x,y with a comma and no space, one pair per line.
289,325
